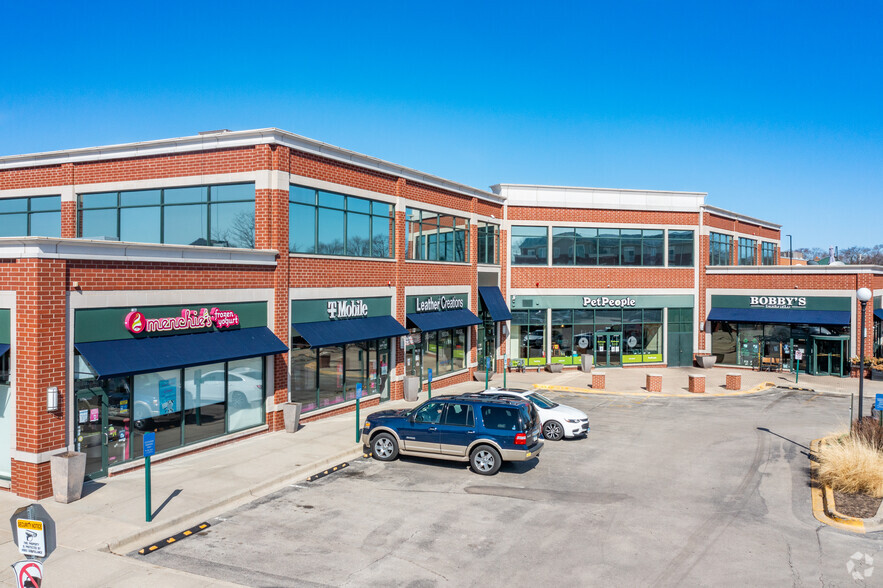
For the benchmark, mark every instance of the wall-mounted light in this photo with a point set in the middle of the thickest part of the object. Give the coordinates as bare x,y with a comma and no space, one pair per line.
52,399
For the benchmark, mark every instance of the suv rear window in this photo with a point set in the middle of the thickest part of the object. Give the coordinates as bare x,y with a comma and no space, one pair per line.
503,418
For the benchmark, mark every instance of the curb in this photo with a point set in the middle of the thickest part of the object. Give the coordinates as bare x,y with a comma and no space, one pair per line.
823,507
754,390
122,545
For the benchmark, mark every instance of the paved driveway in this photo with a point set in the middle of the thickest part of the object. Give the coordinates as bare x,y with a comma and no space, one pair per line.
662,492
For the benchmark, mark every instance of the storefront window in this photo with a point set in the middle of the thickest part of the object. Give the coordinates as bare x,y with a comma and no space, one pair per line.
157,407
652,335
530,245
562,336
245,393
6,410
436,237
445,351
529,336
584,332
680,248
331,390
632,338
459,357
304,374
205,406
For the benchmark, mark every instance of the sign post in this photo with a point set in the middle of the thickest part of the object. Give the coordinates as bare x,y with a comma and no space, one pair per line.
505,369
429,382
798,355
33,531
358,400
487,369
149,449
878,406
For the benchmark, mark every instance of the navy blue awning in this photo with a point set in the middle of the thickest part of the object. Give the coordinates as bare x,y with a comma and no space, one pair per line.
324,333
495,303
780,315
4,347
877,313
140,356
446,319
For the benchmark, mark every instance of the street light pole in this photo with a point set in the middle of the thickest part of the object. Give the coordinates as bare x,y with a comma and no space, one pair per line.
790,251
863,296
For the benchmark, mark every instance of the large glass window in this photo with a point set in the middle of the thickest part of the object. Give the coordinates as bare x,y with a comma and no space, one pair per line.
245,393
337,224
157,407
747,251
488,243
205,402
719,249
768,253
36,216
432,236
608,247
530,245
217,216
680,248
528,335
561,336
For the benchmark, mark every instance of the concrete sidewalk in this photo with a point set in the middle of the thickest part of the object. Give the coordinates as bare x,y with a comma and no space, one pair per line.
108,521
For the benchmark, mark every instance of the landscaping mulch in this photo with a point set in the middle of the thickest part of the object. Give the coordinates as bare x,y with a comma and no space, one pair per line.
860,506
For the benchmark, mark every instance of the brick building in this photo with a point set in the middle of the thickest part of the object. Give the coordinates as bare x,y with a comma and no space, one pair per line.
191,286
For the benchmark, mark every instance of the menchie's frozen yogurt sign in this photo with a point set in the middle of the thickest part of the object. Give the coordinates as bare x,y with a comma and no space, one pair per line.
203,318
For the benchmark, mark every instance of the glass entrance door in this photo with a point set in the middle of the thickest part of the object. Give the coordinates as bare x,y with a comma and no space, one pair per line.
487,345
829,358
608,351
91,430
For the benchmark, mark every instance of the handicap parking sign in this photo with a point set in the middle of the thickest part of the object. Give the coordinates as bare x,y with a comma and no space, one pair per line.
878,404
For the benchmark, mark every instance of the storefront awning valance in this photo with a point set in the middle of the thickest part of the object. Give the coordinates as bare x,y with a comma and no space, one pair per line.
877,313
780,315
446,319
495,303
140,356
4,347
324,333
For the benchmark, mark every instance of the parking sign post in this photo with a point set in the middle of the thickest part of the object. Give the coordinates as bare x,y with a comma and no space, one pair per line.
149,449
358,400
429,383
487,369
505,364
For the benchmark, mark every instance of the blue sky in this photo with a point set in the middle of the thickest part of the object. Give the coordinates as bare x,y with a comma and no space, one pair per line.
773,108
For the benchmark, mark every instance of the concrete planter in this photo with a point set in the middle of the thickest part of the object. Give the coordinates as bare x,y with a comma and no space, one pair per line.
68,471
706,361
555,368
412,388
291,416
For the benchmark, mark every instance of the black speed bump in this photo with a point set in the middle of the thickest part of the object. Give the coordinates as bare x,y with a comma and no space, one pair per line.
324,473
174,538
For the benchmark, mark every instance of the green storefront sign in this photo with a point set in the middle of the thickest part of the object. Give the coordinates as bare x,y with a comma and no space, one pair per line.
5,330
784,302
332,309
436,303
112,324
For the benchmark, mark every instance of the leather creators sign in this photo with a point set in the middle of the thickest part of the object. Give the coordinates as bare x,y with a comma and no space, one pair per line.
611,302
437,303
345,309
204,318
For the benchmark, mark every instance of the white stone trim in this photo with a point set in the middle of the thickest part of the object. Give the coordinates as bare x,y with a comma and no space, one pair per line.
798,270
25,192
8,300
270,179
135,298
52,248
538,196
329,293
600,291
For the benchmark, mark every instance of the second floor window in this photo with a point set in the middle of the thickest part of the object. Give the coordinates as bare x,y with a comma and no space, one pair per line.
719,249
337,224
680,248
35,216
216,216
530,245
432,236
488,243
768,254
747,251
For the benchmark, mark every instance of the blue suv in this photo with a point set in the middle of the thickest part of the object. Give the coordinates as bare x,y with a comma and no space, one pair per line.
483,431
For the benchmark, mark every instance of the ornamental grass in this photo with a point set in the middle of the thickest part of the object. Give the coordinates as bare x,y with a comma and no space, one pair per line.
853,464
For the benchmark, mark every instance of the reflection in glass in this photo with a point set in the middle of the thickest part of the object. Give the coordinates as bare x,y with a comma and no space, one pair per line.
245,393
157,407
185,224
331,231
140,225
233,224
302,228
205,406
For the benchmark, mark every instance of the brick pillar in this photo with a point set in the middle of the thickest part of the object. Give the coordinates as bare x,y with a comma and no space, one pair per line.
697,384
41,363
598,380
397,388
504,269
654,383
734,381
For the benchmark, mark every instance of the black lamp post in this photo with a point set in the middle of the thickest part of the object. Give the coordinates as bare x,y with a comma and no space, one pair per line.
790,251
863,296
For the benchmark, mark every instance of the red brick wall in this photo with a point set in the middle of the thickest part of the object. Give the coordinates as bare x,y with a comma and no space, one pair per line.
593,215
601,277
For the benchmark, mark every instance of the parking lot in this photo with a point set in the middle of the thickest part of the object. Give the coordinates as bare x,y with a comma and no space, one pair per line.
663,491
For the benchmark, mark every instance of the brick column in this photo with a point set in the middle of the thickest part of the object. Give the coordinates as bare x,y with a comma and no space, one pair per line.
40,363
697,384
397,388
734,381
654,383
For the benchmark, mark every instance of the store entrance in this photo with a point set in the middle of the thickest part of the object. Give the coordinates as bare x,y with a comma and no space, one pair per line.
487,345
608,350
829,356
103,425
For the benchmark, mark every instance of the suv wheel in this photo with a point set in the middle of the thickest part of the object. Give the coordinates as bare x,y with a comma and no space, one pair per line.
485,460
553,431
384,447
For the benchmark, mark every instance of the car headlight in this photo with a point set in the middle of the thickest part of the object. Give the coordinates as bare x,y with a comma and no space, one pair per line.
367,425
574,420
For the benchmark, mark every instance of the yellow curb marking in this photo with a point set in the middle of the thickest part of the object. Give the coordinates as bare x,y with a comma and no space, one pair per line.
645,395
823,508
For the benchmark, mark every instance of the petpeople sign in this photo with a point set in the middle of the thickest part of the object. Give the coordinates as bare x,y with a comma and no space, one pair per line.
777,301
438,303
346,309
204,318
606,301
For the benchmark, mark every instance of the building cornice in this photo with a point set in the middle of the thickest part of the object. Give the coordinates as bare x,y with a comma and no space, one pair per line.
740,217
234,139
49,248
